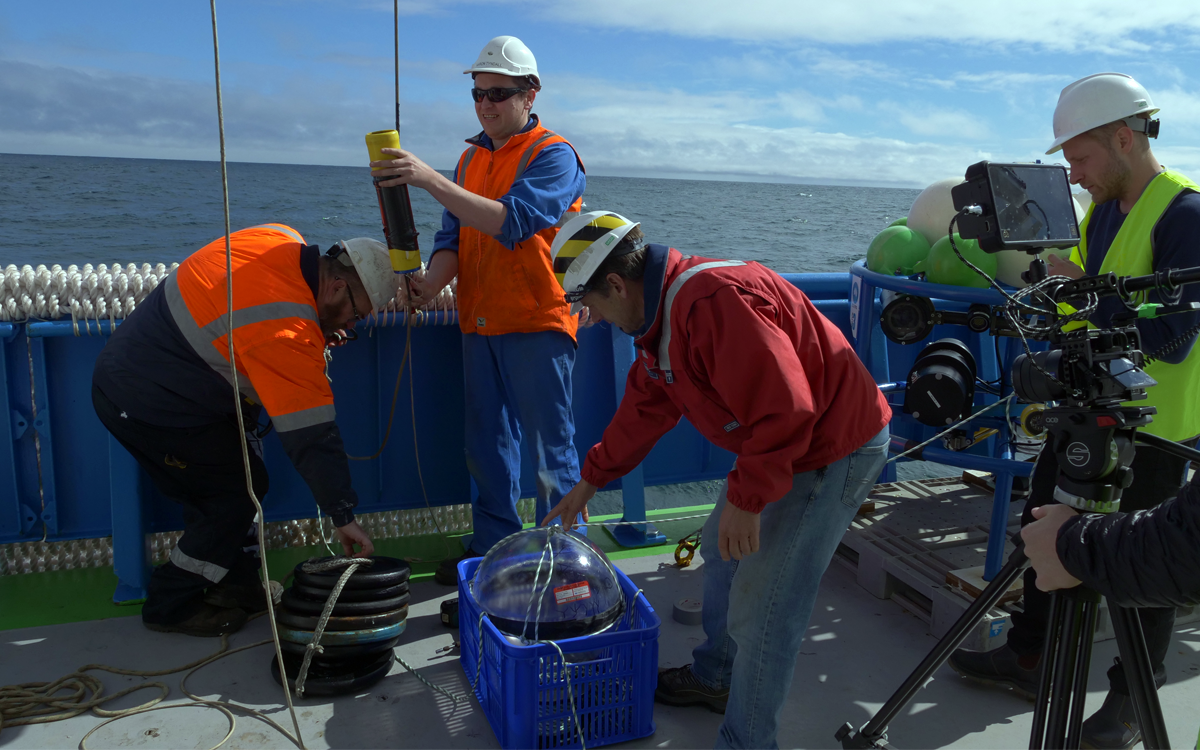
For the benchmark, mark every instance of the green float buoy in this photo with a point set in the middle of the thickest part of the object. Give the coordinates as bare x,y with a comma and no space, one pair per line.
942,266
896,249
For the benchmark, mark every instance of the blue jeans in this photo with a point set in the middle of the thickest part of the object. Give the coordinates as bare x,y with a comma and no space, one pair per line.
518,386
756,611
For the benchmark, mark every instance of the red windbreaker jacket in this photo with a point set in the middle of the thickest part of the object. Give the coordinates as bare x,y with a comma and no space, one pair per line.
753,365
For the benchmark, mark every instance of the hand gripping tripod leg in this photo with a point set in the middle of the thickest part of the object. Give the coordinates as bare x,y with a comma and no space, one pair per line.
1058,712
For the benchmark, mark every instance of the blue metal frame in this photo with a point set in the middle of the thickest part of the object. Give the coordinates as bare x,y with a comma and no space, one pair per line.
93,488
889,362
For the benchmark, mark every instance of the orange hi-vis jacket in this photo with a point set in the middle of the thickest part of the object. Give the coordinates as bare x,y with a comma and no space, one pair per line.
502,290
167,365
278,340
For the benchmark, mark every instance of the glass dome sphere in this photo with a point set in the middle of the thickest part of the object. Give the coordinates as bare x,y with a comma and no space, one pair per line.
548,584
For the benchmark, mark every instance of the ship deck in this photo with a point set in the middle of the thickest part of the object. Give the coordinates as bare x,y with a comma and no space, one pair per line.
858,650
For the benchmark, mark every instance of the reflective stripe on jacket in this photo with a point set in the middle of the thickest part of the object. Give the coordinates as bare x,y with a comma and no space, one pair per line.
278,340
755,368
1177,395
502,290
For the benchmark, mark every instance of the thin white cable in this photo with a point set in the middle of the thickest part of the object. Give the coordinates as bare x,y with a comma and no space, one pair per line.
237,399
952,427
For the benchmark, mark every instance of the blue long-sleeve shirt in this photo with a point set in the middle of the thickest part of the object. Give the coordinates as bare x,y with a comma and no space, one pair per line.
1176,243
536,200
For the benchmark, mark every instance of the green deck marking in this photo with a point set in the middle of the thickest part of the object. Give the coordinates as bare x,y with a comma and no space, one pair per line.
33,599
58,596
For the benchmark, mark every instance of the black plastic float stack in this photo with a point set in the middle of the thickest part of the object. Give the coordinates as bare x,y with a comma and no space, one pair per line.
366,624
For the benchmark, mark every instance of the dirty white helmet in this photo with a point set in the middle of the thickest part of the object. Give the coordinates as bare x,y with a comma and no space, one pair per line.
1098,100
582,245
507,56
370,259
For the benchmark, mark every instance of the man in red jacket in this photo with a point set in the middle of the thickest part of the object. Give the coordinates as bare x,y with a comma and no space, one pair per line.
746,357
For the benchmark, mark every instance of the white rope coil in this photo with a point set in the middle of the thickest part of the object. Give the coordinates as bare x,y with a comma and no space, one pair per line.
103,292
83,294
446,300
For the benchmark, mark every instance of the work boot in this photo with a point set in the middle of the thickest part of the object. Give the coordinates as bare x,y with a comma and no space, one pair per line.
208,622
447,572
1113,726
250,597
679,687
1001,666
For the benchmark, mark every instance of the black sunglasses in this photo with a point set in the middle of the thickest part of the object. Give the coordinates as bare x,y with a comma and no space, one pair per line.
353,307
496,95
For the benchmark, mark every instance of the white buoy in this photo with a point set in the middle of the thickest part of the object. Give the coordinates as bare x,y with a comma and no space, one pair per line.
1010,264
933,209
1083,200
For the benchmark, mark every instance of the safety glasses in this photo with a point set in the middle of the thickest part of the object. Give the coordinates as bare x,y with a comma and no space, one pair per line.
353,307
496,95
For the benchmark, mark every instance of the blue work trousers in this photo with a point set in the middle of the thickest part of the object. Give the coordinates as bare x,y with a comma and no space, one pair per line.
756,610
518,385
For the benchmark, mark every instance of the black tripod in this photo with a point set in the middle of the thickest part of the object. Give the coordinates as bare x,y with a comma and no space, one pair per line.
1058,711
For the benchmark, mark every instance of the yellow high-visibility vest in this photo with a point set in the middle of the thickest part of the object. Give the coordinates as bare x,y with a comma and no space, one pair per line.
1177,395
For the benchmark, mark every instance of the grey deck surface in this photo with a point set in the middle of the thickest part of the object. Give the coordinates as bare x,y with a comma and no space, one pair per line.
858,651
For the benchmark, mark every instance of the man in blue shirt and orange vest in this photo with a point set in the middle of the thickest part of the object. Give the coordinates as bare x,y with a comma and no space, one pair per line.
1143,218
512,187
163,386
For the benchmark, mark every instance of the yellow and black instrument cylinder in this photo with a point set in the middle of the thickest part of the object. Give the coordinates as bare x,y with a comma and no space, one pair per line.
395,208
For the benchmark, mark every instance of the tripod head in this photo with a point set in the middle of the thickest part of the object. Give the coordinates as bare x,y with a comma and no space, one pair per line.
1094,375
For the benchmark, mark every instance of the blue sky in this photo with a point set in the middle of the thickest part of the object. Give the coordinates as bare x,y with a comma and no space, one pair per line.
898,92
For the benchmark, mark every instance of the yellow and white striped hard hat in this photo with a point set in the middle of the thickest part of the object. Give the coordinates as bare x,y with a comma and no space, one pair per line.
581,245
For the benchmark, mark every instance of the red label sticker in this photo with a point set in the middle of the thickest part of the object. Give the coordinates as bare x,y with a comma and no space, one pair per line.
572,592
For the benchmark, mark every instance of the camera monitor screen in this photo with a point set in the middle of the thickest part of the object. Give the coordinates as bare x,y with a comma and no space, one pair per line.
1024,206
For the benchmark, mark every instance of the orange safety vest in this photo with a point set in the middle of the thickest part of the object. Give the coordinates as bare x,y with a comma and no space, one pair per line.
277,339
502,290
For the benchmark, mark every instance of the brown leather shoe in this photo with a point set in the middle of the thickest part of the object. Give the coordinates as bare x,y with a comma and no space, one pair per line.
208,622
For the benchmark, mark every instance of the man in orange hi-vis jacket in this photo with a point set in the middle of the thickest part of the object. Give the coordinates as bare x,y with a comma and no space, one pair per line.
163,387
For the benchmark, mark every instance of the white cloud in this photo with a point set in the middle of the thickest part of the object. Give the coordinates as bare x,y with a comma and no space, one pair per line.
1065,25
617,130
824,63
59,110
942,124
1180,111
1184,159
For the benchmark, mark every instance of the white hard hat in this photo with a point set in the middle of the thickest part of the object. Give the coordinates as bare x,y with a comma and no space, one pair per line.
507,56
1098,100
582,245
370,259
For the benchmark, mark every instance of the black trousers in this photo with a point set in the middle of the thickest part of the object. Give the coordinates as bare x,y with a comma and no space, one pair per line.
1157,477
201,469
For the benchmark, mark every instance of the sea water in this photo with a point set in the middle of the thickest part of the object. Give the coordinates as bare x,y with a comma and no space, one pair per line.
65,209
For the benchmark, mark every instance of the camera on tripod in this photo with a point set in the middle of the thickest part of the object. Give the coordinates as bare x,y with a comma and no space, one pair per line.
1091,376
1090,372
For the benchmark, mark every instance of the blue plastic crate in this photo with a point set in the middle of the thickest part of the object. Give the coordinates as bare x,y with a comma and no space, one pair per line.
523,690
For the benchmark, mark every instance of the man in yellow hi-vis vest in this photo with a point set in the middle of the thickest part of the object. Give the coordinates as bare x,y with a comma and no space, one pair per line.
1143,218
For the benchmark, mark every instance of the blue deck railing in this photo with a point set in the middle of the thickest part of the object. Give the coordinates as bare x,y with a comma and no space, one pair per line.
62,474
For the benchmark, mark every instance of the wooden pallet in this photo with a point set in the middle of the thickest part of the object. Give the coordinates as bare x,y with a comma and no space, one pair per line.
920,532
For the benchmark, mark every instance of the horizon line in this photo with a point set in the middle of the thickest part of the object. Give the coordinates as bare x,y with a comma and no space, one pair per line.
740,177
